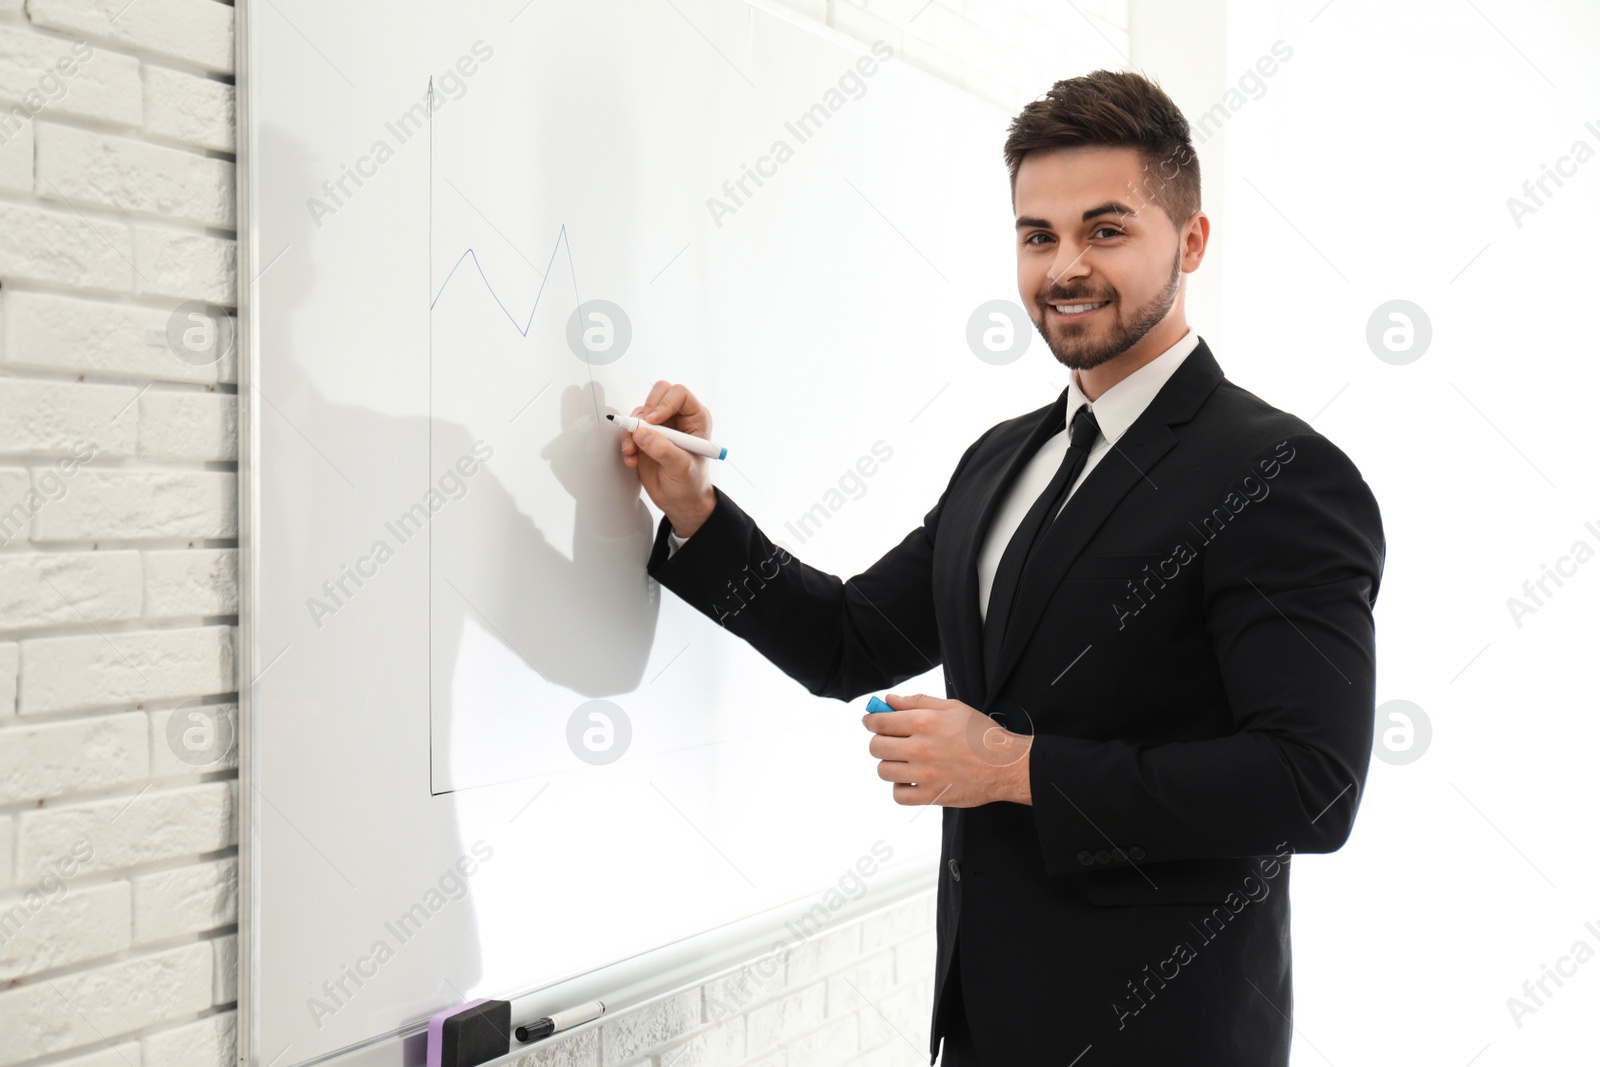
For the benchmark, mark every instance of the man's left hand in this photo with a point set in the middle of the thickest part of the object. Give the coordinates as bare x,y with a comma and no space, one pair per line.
938,751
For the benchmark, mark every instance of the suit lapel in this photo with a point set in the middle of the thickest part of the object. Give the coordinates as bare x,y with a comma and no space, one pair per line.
971,642
1131,456
1086,510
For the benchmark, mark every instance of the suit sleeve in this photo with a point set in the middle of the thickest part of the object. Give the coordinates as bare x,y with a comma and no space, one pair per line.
836,638
1288,594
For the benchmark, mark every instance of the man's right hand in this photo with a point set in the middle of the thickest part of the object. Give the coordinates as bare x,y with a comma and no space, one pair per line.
678,481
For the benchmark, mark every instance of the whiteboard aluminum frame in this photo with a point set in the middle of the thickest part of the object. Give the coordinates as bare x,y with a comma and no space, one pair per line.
244,659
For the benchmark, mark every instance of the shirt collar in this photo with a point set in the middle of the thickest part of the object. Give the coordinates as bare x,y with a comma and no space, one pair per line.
1117,407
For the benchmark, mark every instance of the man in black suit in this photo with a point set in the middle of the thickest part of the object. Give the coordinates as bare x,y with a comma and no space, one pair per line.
1153,602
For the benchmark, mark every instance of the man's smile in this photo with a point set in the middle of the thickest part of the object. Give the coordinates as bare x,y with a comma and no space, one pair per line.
1075,312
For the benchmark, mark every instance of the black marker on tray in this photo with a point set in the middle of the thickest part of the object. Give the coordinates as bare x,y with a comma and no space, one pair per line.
561,1020
481,1030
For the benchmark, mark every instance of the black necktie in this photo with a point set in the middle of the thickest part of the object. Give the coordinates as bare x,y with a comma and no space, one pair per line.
1007,577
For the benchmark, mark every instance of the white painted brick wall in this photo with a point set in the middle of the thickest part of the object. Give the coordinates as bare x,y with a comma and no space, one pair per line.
100,84
128,504
197,32
39,589
203,1043
76,166
194,581
16,161
125,1054
118,591
51,759
99,670
8,693
57,246
861,993
185,900
62,334
161,824
188,109
119,581
187,425
88,922
49,417
225,969
8,833
118,998
164,762
182,264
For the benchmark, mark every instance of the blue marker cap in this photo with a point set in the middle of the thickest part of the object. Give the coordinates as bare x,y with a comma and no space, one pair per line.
877,705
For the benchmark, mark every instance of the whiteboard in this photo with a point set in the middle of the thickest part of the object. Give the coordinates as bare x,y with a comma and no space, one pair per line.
485,754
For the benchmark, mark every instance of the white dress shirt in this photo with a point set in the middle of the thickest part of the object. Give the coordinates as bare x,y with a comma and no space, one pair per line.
1115,410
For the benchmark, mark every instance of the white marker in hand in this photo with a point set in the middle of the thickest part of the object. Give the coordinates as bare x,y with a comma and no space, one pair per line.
686,441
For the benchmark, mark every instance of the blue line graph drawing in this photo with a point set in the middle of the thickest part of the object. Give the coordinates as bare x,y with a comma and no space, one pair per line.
523,327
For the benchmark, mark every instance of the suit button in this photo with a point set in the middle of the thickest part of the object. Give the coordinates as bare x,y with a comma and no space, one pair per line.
1086,857
1136,853
1102,856
955,870
1119,855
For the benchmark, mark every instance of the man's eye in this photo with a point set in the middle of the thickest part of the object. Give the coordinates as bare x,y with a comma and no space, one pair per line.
1114,232
1031,236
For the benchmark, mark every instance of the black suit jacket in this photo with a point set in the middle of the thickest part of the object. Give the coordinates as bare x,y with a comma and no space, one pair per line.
1192,649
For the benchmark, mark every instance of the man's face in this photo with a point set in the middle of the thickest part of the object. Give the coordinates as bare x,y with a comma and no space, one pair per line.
1088,233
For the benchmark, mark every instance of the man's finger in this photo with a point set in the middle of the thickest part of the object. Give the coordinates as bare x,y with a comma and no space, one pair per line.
914,794
666,398
671,403
892,723
897,771
677,401
670,456
888,747
657,391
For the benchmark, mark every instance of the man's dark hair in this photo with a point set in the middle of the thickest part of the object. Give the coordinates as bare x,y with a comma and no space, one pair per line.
1116,109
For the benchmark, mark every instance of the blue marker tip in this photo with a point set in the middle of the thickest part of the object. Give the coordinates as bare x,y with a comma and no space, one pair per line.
877,705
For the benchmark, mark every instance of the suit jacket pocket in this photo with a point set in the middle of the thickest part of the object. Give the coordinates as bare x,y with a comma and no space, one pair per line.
1193,881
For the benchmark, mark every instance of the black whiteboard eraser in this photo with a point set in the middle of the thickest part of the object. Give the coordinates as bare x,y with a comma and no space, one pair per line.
469,1034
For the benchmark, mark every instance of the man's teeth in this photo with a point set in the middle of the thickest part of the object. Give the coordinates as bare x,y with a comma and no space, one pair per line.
1075,309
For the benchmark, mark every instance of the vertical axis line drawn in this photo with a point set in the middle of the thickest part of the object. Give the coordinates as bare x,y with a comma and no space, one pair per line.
431,791
434,296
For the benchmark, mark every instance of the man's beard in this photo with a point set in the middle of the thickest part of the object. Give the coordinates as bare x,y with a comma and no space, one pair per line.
1082,352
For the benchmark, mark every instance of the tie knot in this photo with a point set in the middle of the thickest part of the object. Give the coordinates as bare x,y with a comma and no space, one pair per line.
1084,428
